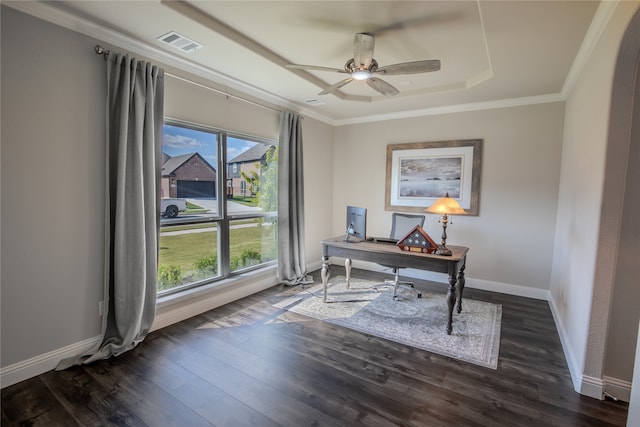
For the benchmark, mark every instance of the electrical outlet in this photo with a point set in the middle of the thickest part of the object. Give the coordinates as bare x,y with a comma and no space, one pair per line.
101,308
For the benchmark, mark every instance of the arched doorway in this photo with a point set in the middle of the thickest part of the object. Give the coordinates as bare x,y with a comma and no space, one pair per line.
619,224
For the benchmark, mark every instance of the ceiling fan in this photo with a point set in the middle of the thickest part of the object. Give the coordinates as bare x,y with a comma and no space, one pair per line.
363,67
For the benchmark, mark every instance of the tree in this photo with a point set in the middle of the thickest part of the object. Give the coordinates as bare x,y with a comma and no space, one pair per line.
268,197
253,179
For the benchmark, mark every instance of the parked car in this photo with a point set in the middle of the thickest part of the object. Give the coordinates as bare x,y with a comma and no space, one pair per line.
171,207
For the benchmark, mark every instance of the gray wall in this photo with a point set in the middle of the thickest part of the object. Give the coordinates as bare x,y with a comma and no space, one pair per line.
511,239
625,311
591,203
53,91
53,121
52,168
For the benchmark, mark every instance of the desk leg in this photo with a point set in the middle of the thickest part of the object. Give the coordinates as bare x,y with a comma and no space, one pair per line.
347,269
451,301
460,287
324,273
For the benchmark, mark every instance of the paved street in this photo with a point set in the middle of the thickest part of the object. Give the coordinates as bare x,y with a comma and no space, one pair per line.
211,205
233,208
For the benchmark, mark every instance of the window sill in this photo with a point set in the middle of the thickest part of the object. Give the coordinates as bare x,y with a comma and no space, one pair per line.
176,307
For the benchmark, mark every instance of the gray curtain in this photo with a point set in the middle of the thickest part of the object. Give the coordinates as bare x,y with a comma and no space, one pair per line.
292,268
135,98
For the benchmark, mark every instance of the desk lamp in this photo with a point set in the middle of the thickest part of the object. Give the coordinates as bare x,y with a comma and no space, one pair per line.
445,206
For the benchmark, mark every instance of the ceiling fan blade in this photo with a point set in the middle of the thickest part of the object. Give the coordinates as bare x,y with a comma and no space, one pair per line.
315,68
363,45
381,86
418,21
336,86
410,67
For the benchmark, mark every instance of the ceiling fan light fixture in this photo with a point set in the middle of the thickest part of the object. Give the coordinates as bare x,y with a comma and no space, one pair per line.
361,74
364,67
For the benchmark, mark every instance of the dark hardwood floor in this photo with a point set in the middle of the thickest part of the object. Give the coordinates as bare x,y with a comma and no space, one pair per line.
250,364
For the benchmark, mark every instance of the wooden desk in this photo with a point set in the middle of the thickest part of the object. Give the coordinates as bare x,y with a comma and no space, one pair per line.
390,254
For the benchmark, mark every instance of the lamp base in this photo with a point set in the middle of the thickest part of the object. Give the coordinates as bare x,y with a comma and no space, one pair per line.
443,250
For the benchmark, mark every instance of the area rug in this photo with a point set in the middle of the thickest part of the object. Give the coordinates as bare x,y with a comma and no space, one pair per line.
417,322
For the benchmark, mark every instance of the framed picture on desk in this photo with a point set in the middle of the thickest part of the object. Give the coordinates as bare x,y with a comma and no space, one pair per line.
420,173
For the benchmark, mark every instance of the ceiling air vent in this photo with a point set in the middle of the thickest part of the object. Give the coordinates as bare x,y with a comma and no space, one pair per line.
180,42
314,102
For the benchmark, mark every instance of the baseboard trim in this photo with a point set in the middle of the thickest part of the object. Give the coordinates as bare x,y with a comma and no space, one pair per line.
592,387
40,364
486,285
575,370
586,385
507,288
170,310
617,388
173,310
188,304
313,266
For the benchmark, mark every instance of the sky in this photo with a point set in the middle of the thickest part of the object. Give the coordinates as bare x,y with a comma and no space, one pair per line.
179,140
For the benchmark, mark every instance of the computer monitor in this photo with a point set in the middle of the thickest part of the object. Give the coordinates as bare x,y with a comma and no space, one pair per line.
356,225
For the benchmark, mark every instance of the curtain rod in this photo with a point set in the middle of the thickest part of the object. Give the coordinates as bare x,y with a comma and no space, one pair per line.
221,92
105,53
101,51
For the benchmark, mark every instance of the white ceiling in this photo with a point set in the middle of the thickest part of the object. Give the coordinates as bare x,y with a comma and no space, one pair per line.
493,52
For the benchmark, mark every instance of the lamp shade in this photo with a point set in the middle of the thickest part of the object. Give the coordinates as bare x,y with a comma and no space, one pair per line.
446,206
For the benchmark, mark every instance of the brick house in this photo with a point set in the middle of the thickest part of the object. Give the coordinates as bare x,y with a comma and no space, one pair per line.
187,175
249,161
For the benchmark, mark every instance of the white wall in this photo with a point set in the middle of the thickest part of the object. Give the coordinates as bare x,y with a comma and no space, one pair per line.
584,261
511,239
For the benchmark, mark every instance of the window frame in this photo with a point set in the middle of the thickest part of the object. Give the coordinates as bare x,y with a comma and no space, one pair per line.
223,218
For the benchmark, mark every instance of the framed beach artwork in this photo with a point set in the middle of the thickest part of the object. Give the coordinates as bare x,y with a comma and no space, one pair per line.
420,173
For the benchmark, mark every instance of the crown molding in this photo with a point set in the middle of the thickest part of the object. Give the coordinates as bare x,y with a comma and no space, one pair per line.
458,108
66,19
73,22
596,28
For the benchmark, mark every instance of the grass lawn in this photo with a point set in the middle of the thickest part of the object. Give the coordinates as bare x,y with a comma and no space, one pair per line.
194,209
246,201
183,250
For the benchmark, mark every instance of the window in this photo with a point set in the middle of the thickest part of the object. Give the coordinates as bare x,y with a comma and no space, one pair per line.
213,237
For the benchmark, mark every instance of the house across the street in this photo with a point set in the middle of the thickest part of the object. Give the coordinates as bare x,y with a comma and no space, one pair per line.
188,175
249,161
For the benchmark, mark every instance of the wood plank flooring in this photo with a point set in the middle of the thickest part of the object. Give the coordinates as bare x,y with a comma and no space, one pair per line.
250,364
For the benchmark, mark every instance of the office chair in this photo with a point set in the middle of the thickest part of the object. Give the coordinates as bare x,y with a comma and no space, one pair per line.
401,224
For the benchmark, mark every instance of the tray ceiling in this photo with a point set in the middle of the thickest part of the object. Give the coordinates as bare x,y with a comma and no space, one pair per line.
492,52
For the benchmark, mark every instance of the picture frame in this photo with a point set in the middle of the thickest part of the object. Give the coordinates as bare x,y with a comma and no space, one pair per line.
420,173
